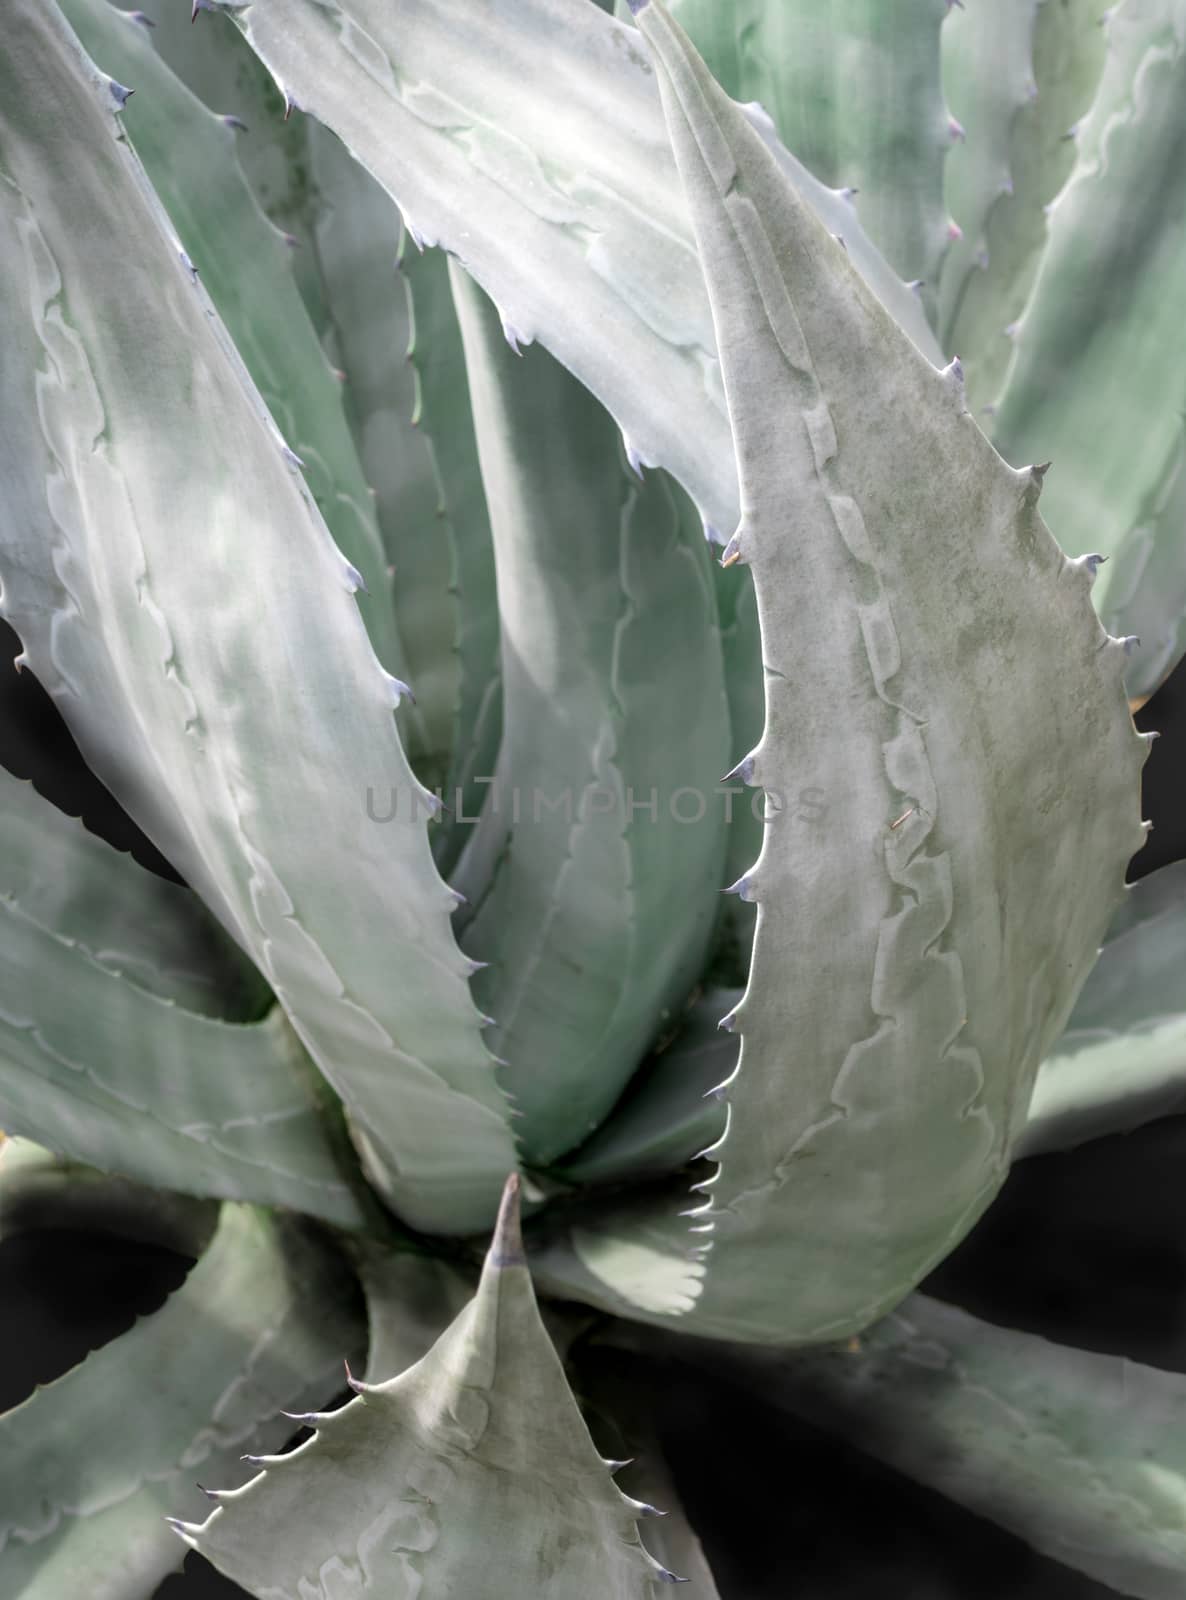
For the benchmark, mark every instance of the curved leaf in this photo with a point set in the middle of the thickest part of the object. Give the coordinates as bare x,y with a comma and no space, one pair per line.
189,154
564,205
182,601
91,1464
101,1057
470,1473
605,814
1018,76
1122,1060
919,946
1096,383
1079,1454
40,1191
853,88
671,1111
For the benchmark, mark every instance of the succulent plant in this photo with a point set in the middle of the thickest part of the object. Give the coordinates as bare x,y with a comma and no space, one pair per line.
656,396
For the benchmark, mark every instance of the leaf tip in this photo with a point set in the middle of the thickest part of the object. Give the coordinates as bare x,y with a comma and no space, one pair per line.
506,1248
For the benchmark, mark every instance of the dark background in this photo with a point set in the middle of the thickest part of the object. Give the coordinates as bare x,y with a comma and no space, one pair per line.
1087,1248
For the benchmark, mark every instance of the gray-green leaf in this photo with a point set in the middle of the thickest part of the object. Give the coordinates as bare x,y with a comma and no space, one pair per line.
471,1473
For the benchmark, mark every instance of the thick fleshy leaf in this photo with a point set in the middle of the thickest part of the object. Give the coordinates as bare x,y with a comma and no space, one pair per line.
471,1473
606,812
619,1404
1018,76
1096,383
190,156
671,1111
92,1464
101,1057
564,204
41,1192
988,78
933,662
1122,1060
369,330
1079,1454
182,601
853,88
155,933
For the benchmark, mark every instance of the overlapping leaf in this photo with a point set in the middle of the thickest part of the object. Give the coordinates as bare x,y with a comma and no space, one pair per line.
92,1464
1096,382
470,1473
921,941
182,601
606,812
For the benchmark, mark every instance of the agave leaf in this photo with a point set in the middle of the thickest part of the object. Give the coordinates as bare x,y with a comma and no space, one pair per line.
189,154
619,1406
470,1473
917,949
671,1111
370,331
444,416
411,1299
1122,1060
988,78
1018,76
155,933
741,649
1079,1454
609,815
853,89
1096,383
97,952
182,601
198,1105
91,1464
564,204
40,1192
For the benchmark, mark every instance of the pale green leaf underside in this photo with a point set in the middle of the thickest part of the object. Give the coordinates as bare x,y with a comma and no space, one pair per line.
41,1192
471,1473
1019,76
563,204
853,88
190,155
605,815
1122,1060
983,766
184,604
1096,382
91,1465
1081,1455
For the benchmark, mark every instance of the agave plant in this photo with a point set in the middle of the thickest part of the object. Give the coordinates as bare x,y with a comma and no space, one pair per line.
358,344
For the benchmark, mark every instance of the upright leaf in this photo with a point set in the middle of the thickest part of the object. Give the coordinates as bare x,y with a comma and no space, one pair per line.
853,88
1019,77
605,815
470,1473
563,204
190,155
91,1465
182,601
933,662
1096,383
